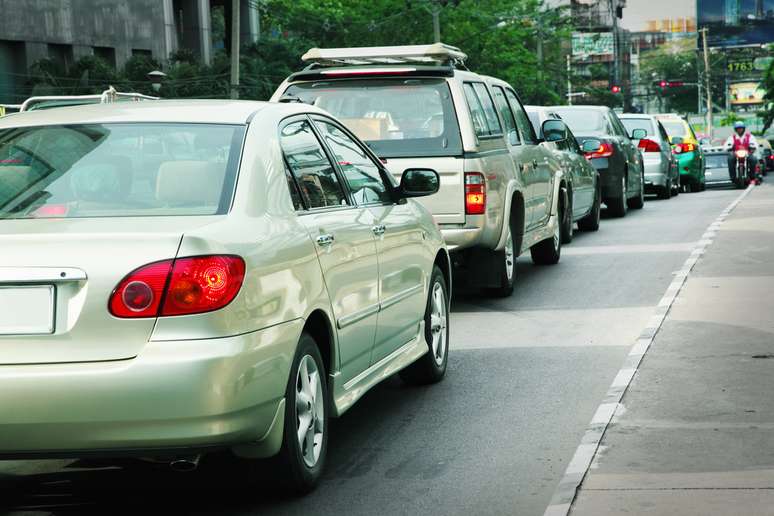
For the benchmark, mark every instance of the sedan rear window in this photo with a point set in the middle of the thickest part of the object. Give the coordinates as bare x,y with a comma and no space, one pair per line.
118,170
638,123
584,122
396,117
674,127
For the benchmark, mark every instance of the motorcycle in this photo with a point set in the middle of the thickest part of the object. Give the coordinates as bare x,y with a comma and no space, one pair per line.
742,164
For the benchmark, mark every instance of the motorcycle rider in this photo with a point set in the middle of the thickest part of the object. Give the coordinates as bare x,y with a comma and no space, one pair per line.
741,140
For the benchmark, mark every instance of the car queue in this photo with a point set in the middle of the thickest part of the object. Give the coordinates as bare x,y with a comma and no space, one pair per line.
195,276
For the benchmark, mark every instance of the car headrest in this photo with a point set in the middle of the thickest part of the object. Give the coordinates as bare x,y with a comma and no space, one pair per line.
100,182
190,182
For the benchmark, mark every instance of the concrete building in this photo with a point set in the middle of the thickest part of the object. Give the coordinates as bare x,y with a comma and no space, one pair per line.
66,30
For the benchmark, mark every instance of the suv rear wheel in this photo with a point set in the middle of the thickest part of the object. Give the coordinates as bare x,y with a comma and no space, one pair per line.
505,262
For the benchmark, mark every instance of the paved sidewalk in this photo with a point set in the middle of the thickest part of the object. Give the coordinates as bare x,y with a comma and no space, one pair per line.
695,432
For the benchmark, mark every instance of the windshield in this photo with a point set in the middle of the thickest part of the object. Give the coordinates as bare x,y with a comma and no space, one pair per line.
638,123
674,127
717,160
396,117
583,121
113,170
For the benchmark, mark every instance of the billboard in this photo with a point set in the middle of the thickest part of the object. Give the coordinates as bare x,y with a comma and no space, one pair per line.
745,93
735,23
592,43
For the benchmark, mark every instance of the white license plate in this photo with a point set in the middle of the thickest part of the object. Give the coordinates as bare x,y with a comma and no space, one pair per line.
26,310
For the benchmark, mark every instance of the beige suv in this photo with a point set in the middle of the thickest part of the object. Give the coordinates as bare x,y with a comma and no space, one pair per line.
502,190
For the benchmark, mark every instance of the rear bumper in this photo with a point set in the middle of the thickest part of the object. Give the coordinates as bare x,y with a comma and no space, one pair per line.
689,165
654,173
175,394
461,238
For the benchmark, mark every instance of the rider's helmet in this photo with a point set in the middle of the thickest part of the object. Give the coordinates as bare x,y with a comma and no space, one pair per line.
739,125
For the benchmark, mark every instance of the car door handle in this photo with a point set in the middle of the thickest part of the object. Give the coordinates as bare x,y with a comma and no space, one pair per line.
324,240
379,229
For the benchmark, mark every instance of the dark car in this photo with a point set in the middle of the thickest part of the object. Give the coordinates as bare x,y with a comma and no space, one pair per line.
617,159
583,179
716,166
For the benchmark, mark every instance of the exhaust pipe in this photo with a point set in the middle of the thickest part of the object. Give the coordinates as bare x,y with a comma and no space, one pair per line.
185,464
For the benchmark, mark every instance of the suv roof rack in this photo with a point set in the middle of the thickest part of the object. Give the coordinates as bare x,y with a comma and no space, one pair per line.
108,96
437,53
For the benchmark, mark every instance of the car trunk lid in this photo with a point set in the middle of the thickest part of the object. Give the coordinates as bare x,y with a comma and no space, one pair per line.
57,276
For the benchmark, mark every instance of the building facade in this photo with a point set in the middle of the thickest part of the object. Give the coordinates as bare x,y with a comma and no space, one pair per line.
114,30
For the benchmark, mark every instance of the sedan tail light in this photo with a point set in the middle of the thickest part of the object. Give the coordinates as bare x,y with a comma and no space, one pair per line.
683,147
475,193
647,145
183,286
605,150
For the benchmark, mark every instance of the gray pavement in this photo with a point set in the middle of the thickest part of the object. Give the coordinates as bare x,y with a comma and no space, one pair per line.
695,432
526,375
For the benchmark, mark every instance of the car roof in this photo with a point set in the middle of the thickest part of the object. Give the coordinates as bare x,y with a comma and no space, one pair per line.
181,111
636,115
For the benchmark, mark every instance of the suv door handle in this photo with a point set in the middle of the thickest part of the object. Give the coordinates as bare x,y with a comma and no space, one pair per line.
379,229
324,240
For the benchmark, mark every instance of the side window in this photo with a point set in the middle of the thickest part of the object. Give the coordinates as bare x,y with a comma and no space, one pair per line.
310,166
619,127
507,116
362,175
489,109
522,120
295,195
482,111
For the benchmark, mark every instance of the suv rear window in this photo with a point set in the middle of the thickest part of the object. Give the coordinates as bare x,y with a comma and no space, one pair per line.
396,117
115,170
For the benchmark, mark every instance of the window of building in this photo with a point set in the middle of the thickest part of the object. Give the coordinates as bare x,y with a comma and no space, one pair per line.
142,52
62,55
107,54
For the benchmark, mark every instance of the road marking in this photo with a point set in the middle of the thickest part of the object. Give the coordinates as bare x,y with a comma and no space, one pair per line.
564,495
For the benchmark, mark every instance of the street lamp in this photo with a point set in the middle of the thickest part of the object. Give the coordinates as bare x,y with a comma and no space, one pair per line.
155,77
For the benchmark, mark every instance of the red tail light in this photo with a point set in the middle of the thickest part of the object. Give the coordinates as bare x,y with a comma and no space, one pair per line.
475,193
179,287
605,150
683,147
647,145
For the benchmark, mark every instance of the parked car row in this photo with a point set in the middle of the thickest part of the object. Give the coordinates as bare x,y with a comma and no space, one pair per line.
190,276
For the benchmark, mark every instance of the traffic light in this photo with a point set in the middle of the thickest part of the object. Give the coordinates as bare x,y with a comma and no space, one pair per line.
669,84
662,84
615,89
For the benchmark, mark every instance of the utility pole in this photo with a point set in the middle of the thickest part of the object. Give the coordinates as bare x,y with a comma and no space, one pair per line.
616,50
435,10
708,87
235,49
569,80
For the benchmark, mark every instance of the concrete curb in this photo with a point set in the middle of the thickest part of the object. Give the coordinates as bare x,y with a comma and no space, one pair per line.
564,495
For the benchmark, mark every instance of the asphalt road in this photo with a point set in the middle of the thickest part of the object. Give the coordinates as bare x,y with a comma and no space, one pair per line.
525,377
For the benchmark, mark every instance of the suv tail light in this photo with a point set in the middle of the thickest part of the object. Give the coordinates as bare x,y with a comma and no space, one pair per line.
183,286
648,145
475,193
605,150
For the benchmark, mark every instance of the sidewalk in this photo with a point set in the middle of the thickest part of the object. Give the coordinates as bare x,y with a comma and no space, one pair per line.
695,432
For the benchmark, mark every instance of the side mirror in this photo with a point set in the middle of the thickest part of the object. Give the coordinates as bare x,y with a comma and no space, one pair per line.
639,134
591,145
554,131
419,182
676,140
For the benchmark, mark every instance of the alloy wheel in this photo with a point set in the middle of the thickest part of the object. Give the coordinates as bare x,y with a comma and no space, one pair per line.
510,259
310,411
438,322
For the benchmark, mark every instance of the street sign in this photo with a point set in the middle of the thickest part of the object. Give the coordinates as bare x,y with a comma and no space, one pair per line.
592,43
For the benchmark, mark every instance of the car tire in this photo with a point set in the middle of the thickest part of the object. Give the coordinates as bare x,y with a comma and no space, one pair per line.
591,221
431,367
567,223
665,192
505,262
676,188
306,403
618,205
637,203
548,251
